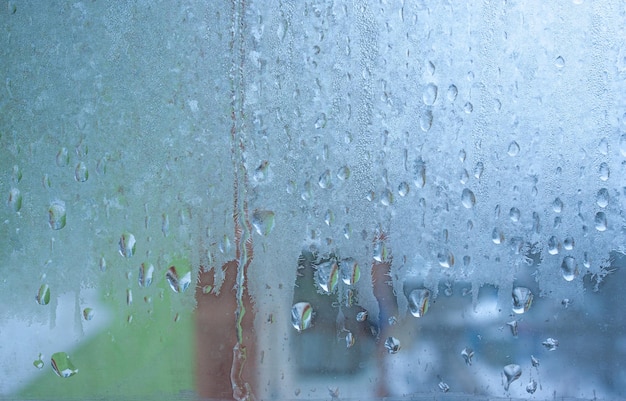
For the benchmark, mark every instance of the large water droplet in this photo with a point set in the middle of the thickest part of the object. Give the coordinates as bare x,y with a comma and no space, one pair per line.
80,173
43,295
350,271
512,372
392,345
56,215
418,302
145,274
602,198
468,199
327,276
62,365
263,221
522,299
467,354
127,245
177,282
551,344
15,200
600,221
430,94
569,268
301,316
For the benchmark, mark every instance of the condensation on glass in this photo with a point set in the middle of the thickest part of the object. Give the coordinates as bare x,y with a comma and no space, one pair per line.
312,200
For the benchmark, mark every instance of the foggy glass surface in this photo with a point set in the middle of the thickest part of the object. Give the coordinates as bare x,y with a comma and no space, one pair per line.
301,200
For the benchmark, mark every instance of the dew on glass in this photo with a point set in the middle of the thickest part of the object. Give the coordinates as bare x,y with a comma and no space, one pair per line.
144,277
600,221
57,215
513,149
602,197
604,171
15,200
452,93
43,295
327,276
522,299
38,363
419,300
62,365
301,316
429,95
569,268
177,282
63,157
403,189
468,199
81,174
550,344
392,345
88,314
512,372
127,245
263,221
467,353
350,271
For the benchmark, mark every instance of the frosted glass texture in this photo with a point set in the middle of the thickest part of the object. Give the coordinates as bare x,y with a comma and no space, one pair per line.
280,200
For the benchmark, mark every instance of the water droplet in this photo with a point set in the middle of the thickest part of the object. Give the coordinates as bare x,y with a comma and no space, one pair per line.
380,251
426,120
513,326
534,361
531,387
602,198
514,214
81,174
321,121
430,94
419,301
551,344
443,386
38,363
177,283
329,217
343,173
419,176
467,354
464,177
445,259
512,372
604,171
497,236
63,157
56,215
301,316
600,221
263,221
559,62
88,314
479,169
62,365
622,145
15,200
349,339
452,93
557,205
361,316
127,245
325,181
392,345
468,108
386,198
145,274
569,268
513,149
403,189
553,245
603,146
522,299
327,276
16,174
468,199
129,297
350,271
43,295
568,243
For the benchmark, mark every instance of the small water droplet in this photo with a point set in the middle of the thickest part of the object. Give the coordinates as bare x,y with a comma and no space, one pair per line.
419,176
430,94
329,217
80,173
468,199
263,221
15,200
57,215
419,301
604,171
403,189
603,146
553,245
452,93
321,121
497,236
301,316
569,268
386,197
445,259
327,276
16,174
325,181
602,198
176,282
514,214
464,177
380,251
522,299
38,363
600,221
361,316
127,245
479,169
622,145
350,271
129,297
551,344
568,243
559,62
349,339
467,354
468,108
426,120
443,386
531,387
392,345
534,361
557,205
512,372
513,326
343,173
43,295
513,149
63,157
145,274
62,365
88,314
